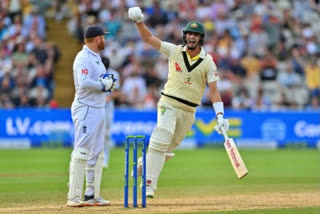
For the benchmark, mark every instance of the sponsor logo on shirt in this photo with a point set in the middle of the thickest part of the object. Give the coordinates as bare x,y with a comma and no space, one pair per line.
162,110
178,69
188,80
84,71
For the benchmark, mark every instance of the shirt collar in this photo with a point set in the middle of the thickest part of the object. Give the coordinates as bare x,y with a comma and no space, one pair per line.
202,53
92,52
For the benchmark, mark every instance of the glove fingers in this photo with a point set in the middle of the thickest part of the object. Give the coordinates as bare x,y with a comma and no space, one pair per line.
218,129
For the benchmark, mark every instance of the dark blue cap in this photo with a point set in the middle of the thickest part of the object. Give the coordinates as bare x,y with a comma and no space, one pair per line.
93,31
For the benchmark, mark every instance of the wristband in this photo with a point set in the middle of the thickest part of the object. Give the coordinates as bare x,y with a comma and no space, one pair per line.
218,108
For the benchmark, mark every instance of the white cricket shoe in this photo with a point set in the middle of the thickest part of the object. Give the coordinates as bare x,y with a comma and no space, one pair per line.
149,192
76,202
96,202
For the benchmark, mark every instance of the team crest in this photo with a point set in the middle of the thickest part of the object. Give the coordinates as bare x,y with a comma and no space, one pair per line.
188,80
178,69
194,25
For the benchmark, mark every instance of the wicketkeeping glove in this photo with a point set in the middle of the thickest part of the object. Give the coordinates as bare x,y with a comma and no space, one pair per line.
135,14
221,122
109,82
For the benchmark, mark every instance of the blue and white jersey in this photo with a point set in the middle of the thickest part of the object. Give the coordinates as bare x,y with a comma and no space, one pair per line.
87,69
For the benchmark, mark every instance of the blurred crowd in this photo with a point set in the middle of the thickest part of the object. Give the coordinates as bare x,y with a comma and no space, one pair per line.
267,52
26,59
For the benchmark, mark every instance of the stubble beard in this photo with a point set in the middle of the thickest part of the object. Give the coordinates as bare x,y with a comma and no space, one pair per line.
101,46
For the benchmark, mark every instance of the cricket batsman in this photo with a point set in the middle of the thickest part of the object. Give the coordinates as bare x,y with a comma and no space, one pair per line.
88,114
190,70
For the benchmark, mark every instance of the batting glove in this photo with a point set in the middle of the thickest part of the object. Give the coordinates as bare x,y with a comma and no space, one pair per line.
221,122
109,82
135,14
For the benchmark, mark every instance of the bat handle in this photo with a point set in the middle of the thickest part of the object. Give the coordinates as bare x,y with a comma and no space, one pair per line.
224,133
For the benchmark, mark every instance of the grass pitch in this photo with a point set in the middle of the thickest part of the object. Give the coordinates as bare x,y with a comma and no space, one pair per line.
194,181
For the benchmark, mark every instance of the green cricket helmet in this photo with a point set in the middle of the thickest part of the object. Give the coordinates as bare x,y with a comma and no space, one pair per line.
195,27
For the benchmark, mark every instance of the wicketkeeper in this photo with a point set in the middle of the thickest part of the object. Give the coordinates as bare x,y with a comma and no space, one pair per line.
88,115
190,70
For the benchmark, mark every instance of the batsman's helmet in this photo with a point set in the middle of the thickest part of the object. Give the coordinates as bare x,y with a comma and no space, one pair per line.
195,27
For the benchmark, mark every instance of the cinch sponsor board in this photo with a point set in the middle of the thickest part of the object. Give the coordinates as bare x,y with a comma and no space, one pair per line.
43,127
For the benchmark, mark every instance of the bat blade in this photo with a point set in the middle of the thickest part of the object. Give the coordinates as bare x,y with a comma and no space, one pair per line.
235,158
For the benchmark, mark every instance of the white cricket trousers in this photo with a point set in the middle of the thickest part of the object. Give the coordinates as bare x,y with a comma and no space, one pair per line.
89,124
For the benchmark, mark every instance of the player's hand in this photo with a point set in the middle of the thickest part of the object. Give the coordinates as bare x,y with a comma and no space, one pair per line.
221,122
135,14
109,82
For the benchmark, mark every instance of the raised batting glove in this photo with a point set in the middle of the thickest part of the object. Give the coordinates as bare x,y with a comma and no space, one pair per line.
135,14
109,82
221,122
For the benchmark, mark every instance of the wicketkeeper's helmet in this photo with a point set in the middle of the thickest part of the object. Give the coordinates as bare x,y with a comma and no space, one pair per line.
195,27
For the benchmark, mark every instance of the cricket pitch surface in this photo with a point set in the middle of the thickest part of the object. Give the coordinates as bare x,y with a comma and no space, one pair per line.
189,205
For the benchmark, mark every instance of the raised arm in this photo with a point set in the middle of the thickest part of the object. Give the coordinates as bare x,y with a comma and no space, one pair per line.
135,14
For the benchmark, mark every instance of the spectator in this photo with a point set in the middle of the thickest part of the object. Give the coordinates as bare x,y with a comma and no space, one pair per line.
314,103
34,22
313,77
157,16
40,51
135,89
242,100
288,78
20,57
268,70
297,60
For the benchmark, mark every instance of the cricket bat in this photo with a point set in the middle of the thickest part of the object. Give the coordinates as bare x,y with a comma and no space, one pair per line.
234,156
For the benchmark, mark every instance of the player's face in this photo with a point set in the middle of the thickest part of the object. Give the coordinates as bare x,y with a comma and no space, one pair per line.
101,43
192,40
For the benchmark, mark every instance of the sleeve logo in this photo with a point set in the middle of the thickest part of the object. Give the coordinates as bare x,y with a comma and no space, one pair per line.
84,71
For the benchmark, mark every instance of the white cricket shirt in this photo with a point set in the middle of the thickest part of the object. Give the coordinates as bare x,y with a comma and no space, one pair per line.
187,79
87,69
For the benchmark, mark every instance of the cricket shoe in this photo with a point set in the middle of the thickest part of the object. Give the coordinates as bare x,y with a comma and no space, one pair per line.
91,201
149,192
76,202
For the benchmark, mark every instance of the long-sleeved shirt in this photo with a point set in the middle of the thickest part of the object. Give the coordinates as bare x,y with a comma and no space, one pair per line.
87,69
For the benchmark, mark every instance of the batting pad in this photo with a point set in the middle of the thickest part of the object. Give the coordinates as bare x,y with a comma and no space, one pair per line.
98,175
160,140
155,162
77,171
94,175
